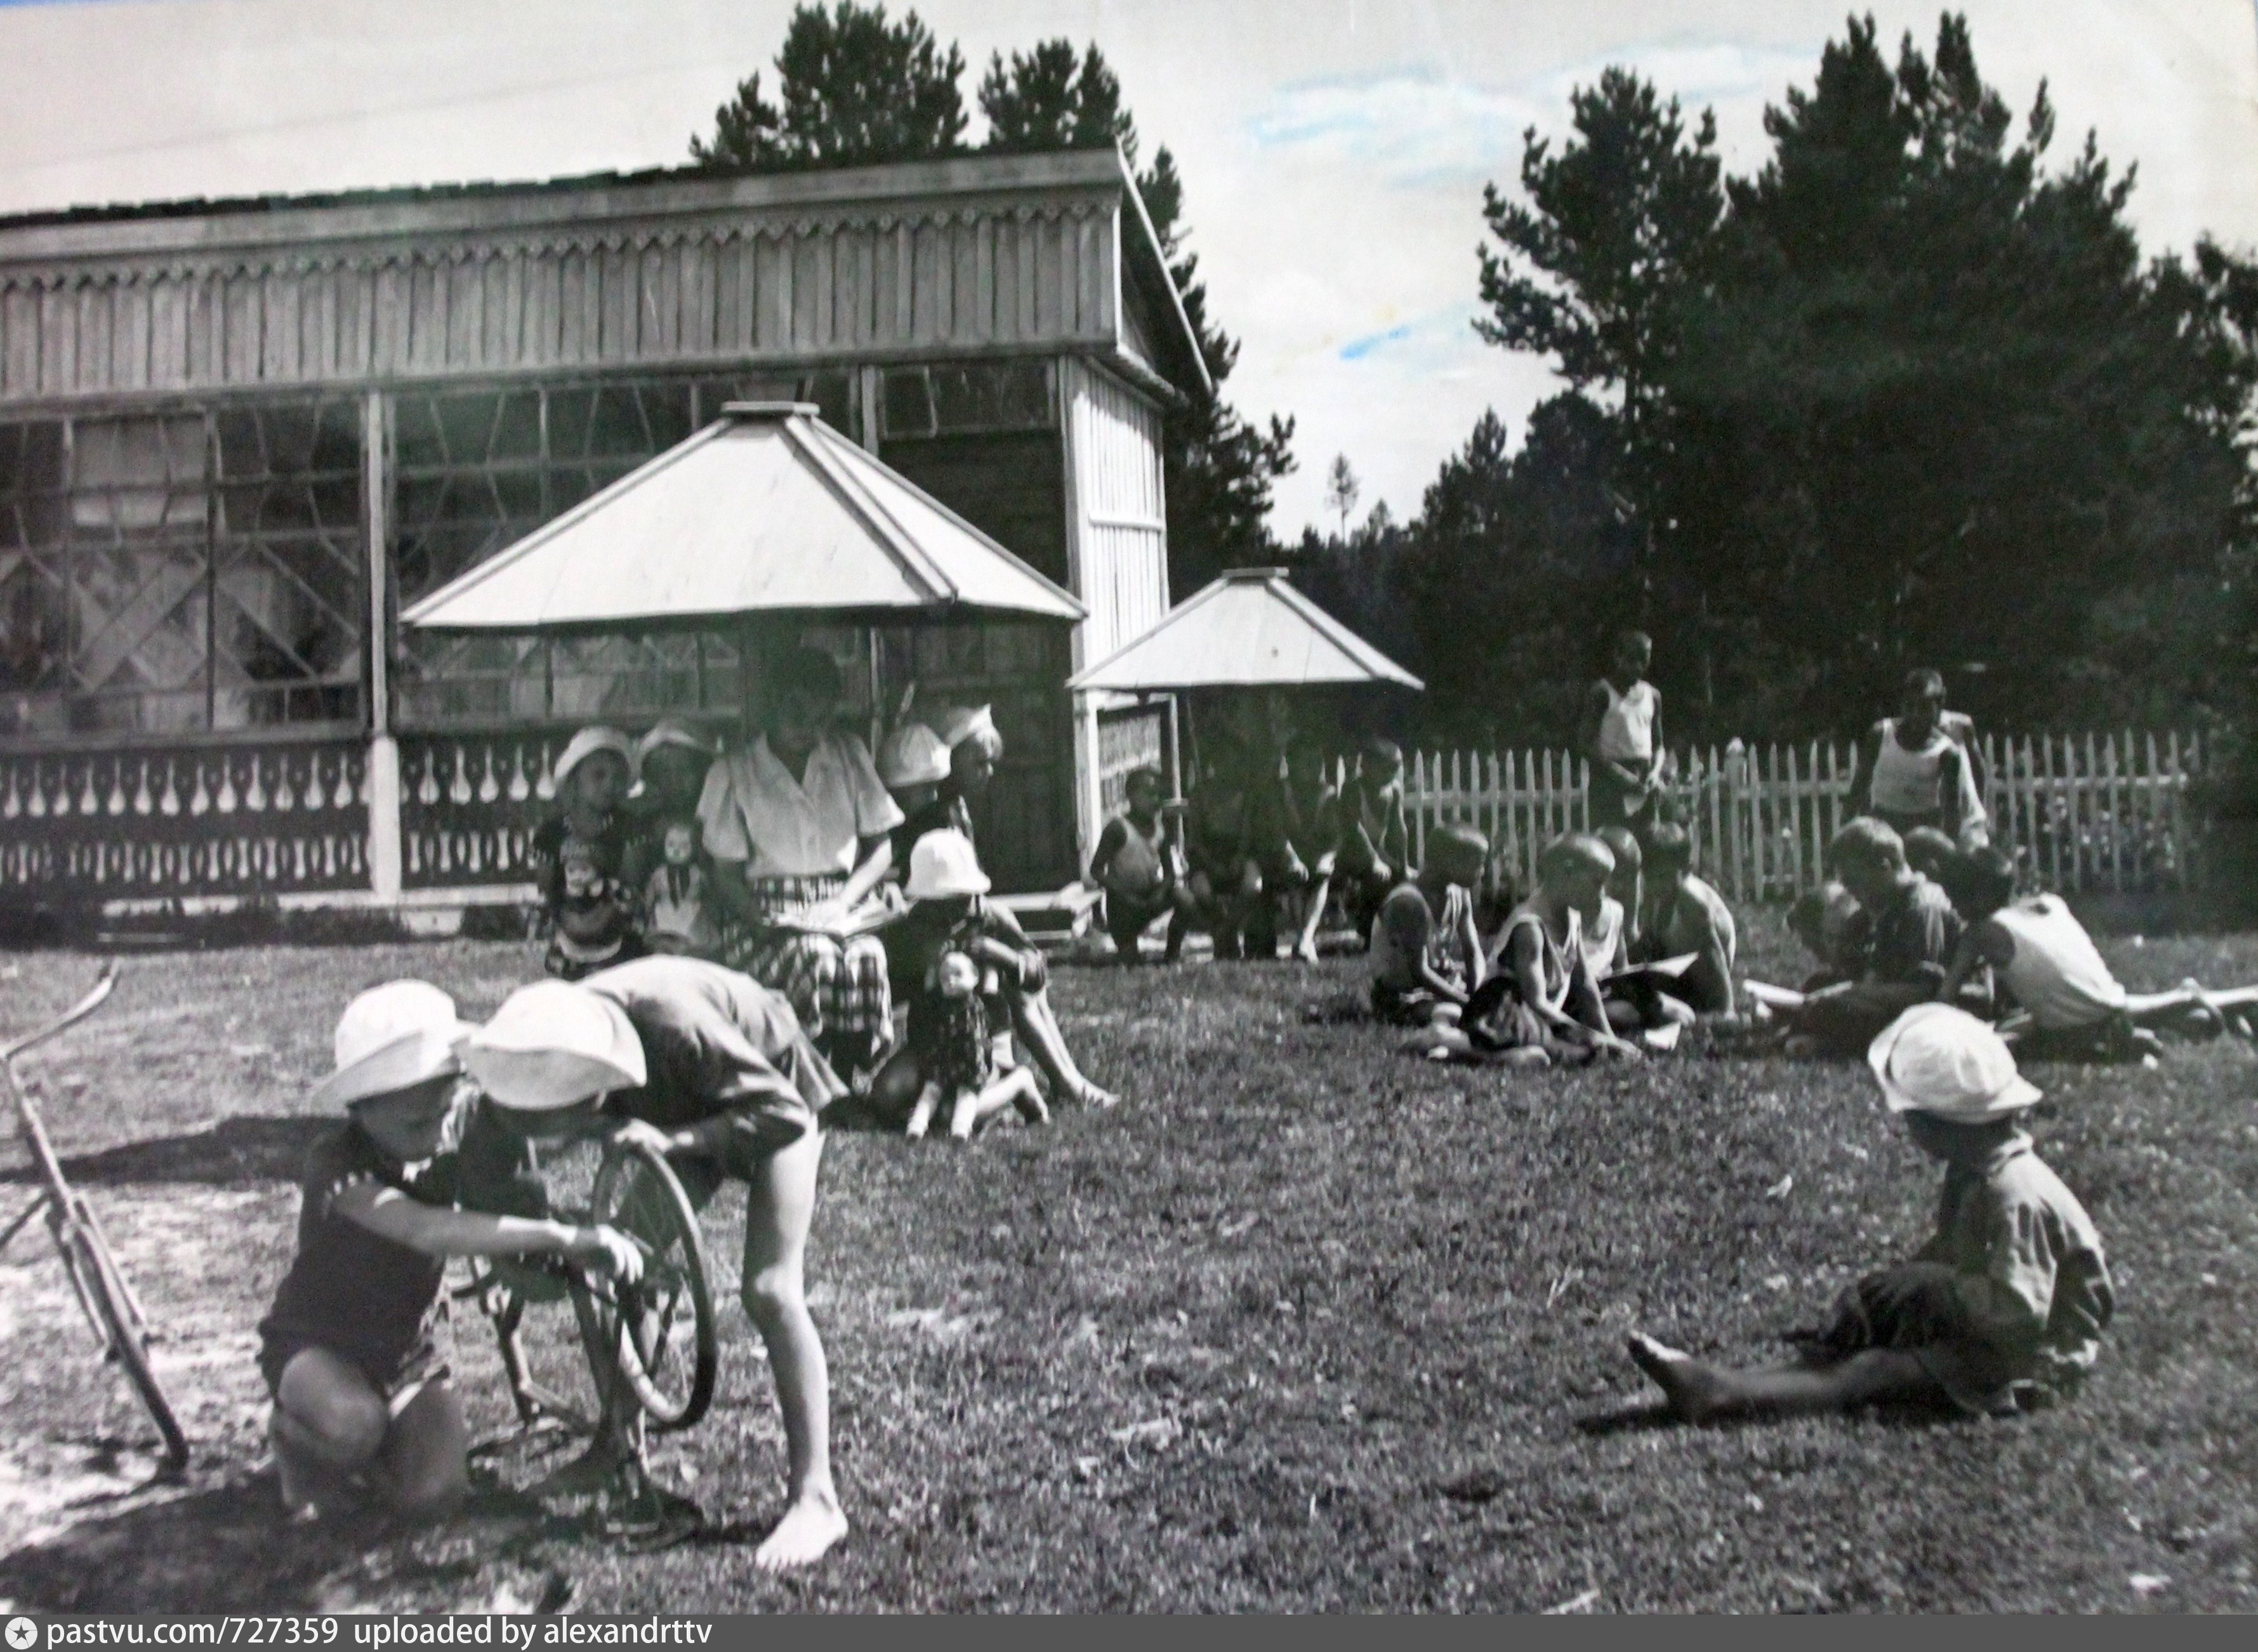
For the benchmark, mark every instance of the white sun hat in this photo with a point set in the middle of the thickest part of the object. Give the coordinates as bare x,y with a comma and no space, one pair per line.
391,1036
586,743
912,755
1939,1059
670,731
553,1045
943,864
962,723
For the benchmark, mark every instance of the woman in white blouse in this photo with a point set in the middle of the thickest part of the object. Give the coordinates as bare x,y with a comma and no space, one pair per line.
797,825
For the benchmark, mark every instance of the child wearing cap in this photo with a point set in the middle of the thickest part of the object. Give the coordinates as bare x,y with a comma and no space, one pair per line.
712,1068
2001,1310
1138,866
360,1389
948,912
580,857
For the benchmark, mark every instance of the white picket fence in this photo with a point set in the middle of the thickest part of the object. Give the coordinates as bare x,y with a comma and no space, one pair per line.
2092,812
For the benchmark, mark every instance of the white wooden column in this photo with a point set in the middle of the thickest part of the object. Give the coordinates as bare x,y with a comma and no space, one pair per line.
384,844
1089,799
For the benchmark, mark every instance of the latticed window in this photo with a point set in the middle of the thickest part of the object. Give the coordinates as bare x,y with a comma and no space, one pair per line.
477,471
188,570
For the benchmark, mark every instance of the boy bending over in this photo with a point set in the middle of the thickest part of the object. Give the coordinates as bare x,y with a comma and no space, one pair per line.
361,1392
2003,1309
712,1068
1905,933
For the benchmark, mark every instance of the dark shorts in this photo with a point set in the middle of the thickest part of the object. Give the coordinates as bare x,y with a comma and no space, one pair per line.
417,1369
1914,1307
1403,1006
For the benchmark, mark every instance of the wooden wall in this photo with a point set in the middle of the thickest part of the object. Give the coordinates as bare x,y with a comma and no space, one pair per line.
740,288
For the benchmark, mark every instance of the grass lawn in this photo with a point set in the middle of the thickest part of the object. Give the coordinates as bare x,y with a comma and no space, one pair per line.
1306,1324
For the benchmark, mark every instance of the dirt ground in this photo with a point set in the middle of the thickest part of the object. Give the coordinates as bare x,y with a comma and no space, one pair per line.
1306,1324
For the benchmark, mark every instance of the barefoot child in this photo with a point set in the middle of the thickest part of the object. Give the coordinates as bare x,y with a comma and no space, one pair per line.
713,1068
1542,1003
360,1388
1140,868
958,1058
1375,833
1426,956
1308,840
2002,1310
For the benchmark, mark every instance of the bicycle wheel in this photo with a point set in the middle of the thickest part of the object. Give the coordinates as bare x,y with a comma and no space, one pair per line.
664,1343
103,1288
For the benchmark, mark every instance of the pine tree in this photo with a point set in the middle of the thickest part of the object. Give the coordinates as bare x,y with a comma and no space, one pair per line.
853,89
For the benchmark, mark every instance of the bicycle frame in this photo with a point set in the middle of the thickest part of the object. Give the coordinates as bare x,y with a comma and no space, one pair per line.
60,1199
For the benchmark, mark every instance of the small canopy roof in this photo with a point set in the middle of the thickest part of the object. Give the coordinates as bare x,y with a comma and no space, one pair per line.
767,511
1249,629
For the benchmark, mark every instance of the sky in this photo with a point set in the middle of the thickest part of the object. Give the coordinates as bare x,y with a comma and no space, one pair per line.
1333,151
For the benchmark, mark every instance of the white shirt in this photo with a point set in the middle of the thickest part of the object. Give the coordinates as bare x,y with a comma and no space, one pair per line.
1627,727
2056,974
753,811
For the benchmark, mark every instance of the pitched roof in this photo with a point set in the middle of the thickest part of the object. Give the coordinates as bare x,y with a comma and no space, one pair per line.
767,511
1251,629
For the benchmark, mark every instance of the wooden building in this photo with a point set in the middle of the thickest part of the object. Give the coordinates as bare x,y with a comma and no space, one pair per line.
236,436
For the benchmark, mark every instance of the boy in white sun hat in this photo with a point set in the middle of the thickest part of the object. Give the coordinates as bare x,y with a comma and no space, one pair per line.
360,1389
2002,1310
713,1069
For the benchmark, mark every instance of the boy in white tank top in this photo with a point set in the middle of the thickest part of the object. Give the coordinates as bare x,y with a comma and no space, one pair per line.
1622,736
1916,773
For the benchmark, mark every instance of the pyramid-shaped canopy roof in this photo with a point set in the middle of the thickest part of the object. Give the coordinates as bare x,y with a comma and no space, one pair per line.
1249,629
768,511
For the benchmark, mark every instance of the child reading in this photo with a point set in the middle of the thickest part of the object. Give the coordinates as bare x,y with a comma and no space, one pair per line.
958,1057
1140,868
361,1391
1685,915
1822,920
1904,935
1375,835
1426,956
580,856
2002,1310
679,897
1622,736
1542,1003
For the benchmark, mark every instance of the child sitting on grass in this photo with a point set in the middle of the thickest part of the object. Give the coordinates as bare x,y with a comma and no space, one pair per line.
361,1392
1685,915
958,1058
2002,1310
1542,1003
1140,868
1822,920
2072,1008
1426,955
1611,939
1905,934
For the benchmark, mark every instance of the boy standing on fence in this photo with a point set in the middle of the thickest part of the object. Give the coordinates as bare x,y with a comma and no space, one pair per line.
1623,736
1914,773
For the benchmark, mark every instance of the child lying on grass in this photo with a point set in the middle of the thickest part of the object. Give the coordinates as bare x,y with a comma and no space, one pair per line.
956,1056
361,1391
2002,1310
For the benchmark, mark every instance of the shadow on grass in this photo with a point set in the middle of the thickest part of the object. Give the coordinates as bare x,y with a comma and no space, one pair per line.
228,1548
233,1152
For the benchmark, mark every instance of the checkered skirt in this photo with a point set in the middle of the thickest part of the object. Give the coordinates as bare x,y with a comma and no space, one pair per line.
835,985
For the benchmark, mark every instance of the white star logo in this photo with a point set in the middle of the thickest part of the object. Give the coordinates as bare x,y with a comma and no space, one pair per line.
23,1633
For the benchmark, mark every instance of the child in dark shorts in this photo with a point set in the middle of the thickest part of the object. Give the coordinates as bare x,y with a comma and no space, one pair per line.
361,1392
958,1059
2001,1311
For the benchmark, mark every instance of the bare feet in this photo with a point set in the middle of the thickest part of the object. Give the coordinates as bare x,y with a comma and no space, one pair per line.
1305,951
1692,1388
1096,1099
809,1527
1031,1106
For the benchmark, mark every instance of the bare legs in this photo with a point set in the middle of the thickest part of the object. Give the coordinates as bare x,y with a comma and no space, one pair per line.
1038,1027
1313,911
780,1205
330,1423
1699,1392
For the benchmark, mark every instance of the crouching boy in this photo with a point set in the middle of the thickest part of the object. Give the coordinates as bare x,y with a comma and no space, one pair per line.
2002,1310
361,1392
713,1068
